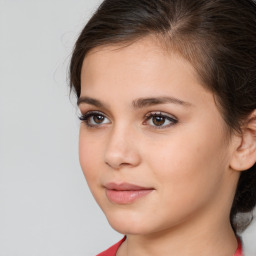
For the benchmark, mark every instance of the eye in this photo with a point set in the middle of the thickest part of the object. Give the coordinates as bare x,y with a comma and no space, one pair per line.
94,119
160,120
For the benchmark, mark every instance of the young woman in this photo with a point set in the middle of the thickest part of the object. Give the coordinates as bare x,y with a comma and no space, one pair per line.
167,94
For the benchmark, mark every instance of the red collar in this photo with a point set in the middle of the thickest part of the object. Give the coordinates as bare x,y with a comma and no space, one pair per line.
113,249
239,248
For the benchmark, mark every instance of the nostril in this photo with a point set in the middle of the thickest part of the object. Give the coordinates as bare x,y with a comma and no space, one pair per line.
115,164
121,151
116,161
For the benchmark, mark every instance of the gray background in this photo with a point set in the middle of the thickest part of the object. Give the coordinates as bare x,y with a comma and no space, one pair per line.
45,206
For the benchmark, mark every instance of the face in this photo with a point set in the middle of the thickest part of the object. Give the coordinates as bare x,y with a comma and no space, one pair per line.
153,144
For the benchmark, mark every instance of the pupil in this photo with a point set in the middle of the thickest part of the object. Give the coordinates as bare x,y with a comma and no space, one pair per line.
158,120
98,119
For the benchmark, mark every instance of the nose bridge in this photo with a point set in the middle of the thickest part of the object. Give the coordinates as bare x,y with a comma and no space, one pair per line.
121,147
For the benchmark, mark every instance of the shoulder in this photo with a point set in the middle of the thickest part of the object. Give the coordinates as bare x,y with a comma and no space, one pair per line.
113,249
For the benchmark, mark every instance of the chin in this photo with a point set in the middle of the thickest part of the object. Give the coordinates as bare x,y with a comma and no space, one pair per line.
130,223
124,227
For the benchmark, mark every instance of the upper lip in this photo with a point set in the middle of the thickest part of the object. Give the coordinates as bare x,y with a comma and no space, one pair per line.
125,186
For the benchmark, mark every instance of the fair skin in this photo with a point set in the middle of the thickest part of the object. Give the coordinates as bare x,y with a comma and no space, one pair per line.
181,156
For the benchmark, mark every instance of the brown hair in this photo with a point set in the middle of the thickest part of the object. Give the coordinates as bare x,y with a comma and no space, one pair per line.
218,37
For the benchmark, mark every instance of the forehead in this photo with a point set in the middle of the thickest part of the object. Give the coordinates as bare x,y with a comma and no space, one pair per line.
147,57
146,49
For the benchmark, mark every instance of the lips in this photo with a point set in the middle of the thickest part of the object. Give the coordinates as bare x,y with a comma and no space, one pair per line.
125,193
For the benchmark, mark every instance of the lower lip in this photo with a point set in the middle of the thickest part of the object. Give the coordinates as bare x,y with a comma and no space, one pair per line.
127,196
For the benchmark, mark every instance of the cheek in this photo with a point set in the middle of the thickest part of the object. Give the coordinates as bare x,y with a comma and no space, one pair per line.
188,165
90,160
88,156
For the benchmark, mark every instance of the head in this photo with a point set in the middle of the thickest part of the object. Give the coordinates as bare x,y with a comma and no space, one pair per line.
215,51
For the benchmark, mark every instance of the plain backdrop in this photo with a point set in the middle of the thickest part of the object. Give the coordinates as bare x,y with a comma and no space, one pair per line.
46,208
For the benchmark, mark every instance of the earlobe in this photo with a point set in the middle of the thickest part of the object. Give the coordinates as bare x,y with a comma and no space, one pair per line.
244,156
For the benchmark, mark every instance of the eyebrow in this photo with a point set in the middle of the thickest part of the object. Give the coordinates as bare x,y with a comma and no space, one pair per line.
137,103
90,101
145,102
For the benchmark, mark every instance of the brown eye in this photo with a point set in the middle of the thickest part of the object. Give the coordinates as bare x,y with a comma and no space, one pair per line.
158,120
98,119
94,119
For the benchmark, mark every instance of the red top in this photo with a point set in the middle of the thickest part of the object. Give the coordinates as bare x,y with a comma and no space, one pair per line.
113,249
239,251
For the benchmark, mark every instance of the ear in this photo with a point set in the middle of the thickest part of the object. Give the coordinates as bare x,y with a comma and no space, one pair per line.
244,156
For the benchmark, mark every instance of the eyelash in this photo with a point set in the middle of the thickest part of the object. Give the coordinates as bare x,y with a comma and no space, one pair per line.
172,120
86,119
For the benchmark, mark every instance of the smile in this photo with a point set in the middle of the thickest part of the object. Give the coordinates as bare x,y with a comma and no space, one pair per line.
125,193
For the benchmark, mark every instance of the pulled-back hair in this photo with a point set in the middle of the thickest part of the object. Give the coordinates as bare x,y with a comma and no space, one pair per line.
218,37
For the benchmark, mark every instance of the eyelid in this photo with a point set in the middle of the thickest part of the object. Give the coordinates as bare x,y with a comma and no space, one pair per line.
87,109
160,113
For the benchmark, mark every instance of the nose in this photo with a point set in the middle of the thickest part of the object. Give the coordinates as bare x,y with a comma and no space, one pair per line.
122,149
